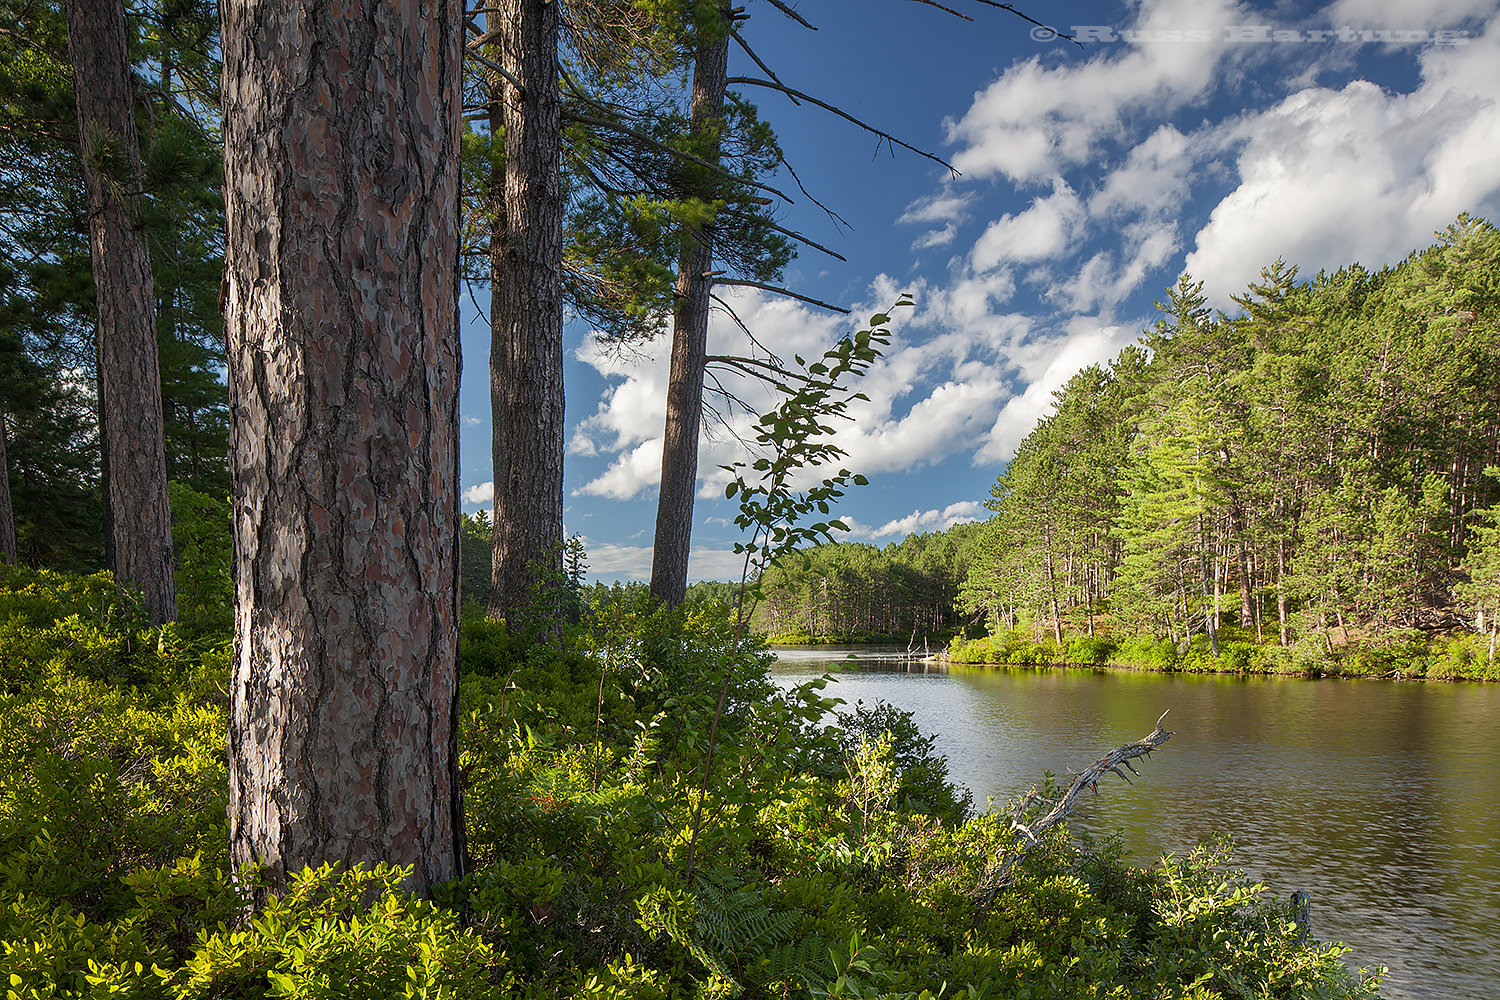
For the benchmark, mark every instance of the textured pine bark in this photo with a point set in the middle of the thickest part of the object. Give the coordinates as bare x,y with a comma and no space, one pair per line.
499,354
341,128
129,375
7,512
679,457
526,379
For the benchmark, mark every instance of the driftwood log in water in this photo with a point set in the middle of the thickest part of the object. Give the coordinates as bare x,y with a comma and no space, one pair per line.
1028,832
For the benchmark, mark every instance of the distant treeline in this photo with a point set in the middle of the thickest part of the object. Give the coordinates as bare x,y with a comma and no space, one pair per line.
843,592
1314,466
1321,465
850,591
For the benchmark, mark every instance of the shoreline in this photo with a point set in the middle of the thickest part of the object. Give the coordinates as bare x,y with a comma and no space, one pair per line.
1450,660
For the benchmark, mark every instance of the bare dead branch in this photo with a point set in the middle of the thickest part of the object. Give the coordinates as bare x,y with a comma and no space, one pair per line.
754,82
745,283
1039,24
491,64
733,315
804,239
934,3
749,366
763,67
791,14
732,400
485,37
1028,834
741,324
838,220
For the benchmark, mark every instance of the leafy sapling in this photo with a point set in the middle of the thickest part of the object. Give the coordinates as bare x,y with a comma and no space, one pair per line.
795,436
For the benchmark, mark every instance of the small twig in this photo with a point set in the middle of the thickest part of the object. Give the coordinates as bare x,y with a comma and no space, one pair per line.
838,220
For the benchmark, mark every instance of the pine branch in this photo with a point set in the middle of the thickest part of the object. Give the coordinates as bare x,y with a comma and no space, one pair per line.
752,81
791,14
764,68
804,239
934,3
647,140
1039,24
743,282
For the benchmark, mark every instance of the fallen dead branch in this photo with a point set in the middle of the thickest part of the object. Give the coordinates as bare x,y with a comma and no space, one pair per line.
1028,833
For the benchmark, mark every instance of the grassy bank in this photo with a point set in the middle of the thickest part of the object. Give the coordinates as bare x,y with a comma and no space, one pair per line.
832,861
1407,657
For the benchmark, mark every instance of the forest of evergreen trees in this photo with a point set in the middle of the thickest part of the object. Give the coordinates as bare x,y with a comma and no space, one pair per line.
853,592
1313,466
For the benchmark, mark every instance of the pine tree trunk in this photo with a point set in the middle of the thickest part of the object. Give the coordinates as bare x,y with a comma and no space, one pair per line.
7,513
679,458
129,373
499,345
1052,589
526,354
1281,588
341,134
1210,620
1241,563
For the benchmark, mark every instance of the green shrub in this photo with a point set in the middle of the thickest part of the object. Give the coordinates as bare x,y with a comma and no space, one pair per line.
827,860
355,935
1090,649
95,786
921,775
1148,653
1240,657
202,535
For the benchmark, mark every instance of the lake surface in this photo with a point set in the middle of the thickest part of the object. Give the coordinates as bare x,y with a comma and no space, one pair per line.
1381,799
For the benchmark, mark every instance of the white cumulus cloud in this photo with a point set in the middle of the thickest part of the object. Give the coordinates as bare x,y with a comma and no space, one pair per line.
1036,121
633,562
963,512
1329,177
1042,231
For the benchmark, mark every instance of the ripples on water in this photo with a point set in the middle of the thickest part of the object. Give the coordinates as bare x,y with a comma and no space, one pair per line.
1381,799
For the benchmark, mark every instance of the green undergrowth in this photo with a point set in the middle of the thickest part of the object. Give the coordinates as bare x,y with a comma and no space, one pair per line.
1403,656
833,860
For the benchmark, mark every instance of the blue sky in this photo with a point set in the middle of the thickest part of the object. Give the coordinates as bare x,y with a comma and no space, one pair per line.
1208,137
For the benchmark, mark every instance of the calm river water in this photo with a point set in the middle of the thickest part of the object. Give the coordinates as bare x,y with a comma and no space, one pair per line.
1381,799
